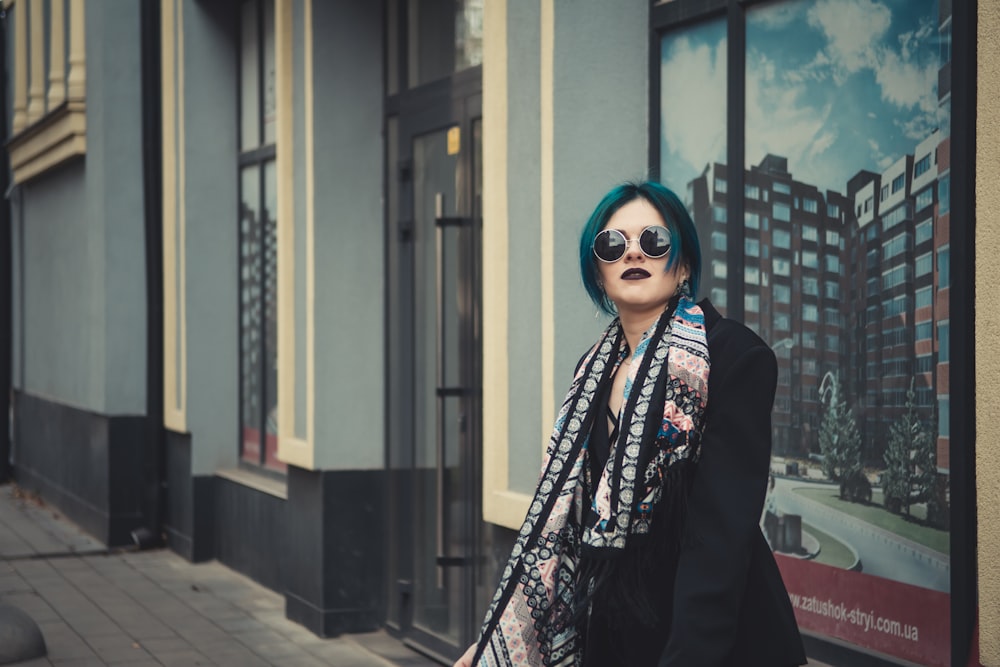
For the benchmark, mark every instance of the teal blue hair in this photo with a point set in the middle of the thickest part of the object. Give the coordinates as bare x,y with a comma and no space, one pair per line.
684,246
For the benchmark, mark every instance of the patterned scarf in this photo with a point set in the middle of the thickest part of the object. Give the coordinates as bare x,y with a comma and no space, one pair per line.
530,620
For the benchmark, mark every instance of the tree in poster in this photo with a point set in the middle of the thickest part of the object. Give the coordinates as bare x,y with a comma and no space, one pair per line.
910,461
840,443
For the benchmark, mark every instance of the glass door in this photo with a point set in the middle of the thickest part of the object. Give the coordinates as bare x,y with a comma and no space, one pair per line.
435,386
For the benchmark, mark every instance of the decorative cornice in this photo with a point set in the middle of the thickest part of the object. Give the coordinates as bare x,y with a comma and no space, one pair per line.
57,137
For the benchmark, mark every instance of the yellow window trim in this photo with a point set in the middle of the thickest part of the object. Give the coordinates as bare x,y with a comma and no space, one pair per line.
58,136
501,505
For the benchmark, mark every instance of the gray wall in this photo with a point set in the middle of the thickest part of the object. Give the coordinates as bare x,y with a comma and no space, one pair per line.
81,313
601,135
210,207
350,276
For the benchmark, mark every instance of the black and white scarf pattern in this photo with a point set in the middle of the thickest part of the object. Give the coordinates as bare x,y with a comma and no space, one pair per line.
528,623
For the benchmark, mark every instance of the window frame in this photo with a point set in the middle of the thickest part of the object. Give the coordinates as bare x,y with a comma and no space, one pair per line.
260,156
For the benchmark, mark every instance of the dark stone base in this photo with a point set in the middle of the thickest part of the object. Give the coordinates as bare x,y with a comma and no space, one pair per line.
335,575
90,466
188,522
323,547
250,531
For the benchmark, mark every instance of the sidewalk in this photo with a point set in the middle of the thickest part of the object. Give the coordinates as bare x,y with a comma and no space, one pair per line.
96,607
138,608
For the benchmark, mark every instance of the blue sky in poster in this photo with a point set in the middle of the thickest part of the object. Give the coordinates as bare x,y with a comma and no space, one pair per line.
833,85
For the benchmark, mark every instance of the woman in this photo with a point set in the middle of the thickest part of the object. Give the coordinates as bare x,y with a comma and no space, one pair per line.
642,545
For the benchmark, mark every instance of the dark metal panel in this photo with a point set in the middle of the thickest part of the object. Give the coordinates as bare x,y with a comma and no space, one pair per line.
335,549
962,316
84,463
251,532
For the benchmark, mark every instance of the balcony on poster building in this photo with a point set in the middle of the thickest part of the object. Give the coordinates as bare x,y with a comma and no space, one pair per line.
49,125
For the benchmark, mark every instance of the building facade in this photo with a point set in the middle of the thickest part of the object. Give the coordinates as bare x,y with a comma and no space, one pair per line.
293,284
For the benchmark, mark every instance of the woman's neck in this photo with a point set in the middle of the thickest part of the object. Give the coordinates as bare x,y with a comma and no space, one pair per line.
636,324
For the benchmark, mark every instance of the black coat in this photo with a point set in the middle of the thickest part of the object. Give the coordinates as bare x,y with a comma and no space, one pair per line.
724,604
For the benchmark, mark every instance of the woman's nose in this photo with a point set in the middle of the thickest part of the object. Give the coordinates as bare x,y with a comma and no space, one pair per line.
632,248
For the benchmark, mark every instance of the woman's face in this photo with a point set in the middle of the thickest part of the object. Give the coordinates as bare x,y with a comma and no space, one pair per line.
637,283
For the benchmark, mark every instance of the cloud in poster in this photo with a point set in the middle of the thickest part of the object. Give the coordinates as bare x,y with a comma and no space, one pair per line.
853,30
855,40
842,75
693,104
783,119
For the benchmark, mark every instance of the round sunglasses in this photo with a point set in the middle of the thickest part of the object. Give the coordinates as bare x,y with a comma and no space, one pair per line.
610,245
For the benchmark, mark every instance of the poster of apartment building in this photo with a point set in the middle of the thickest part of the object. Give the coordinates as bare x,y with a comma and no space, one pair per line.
844,251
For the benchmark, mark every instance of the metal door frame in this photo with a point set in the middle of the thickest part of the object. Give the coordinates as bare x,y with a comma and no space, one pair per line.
456,101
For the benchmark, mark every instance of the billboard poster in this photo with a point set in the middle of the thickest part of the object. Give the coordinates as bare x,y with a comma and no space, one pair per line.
845,258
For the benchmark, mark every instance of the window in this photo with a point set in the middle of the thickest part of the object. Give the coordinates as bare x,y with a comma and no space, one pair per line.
781,322
832,263
751,275
751,302
922,165
810,259
871,232
810,313
895,246
782,212
832,342
809,339
781,267
810,233
751,220
718,297
781,238
884,194
809,205
944,341
944,194
895,216
442,39
923,265
871,258
719,269
923,364
258,238
923,330
944,416
831,317
924,297
832,238
782,294
751,247
782,188
897,275
810,287
925,198
898,183
896,306
719,241
871,287
833,211
751,191
831,289
720,185
923,231
719,213
944,267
